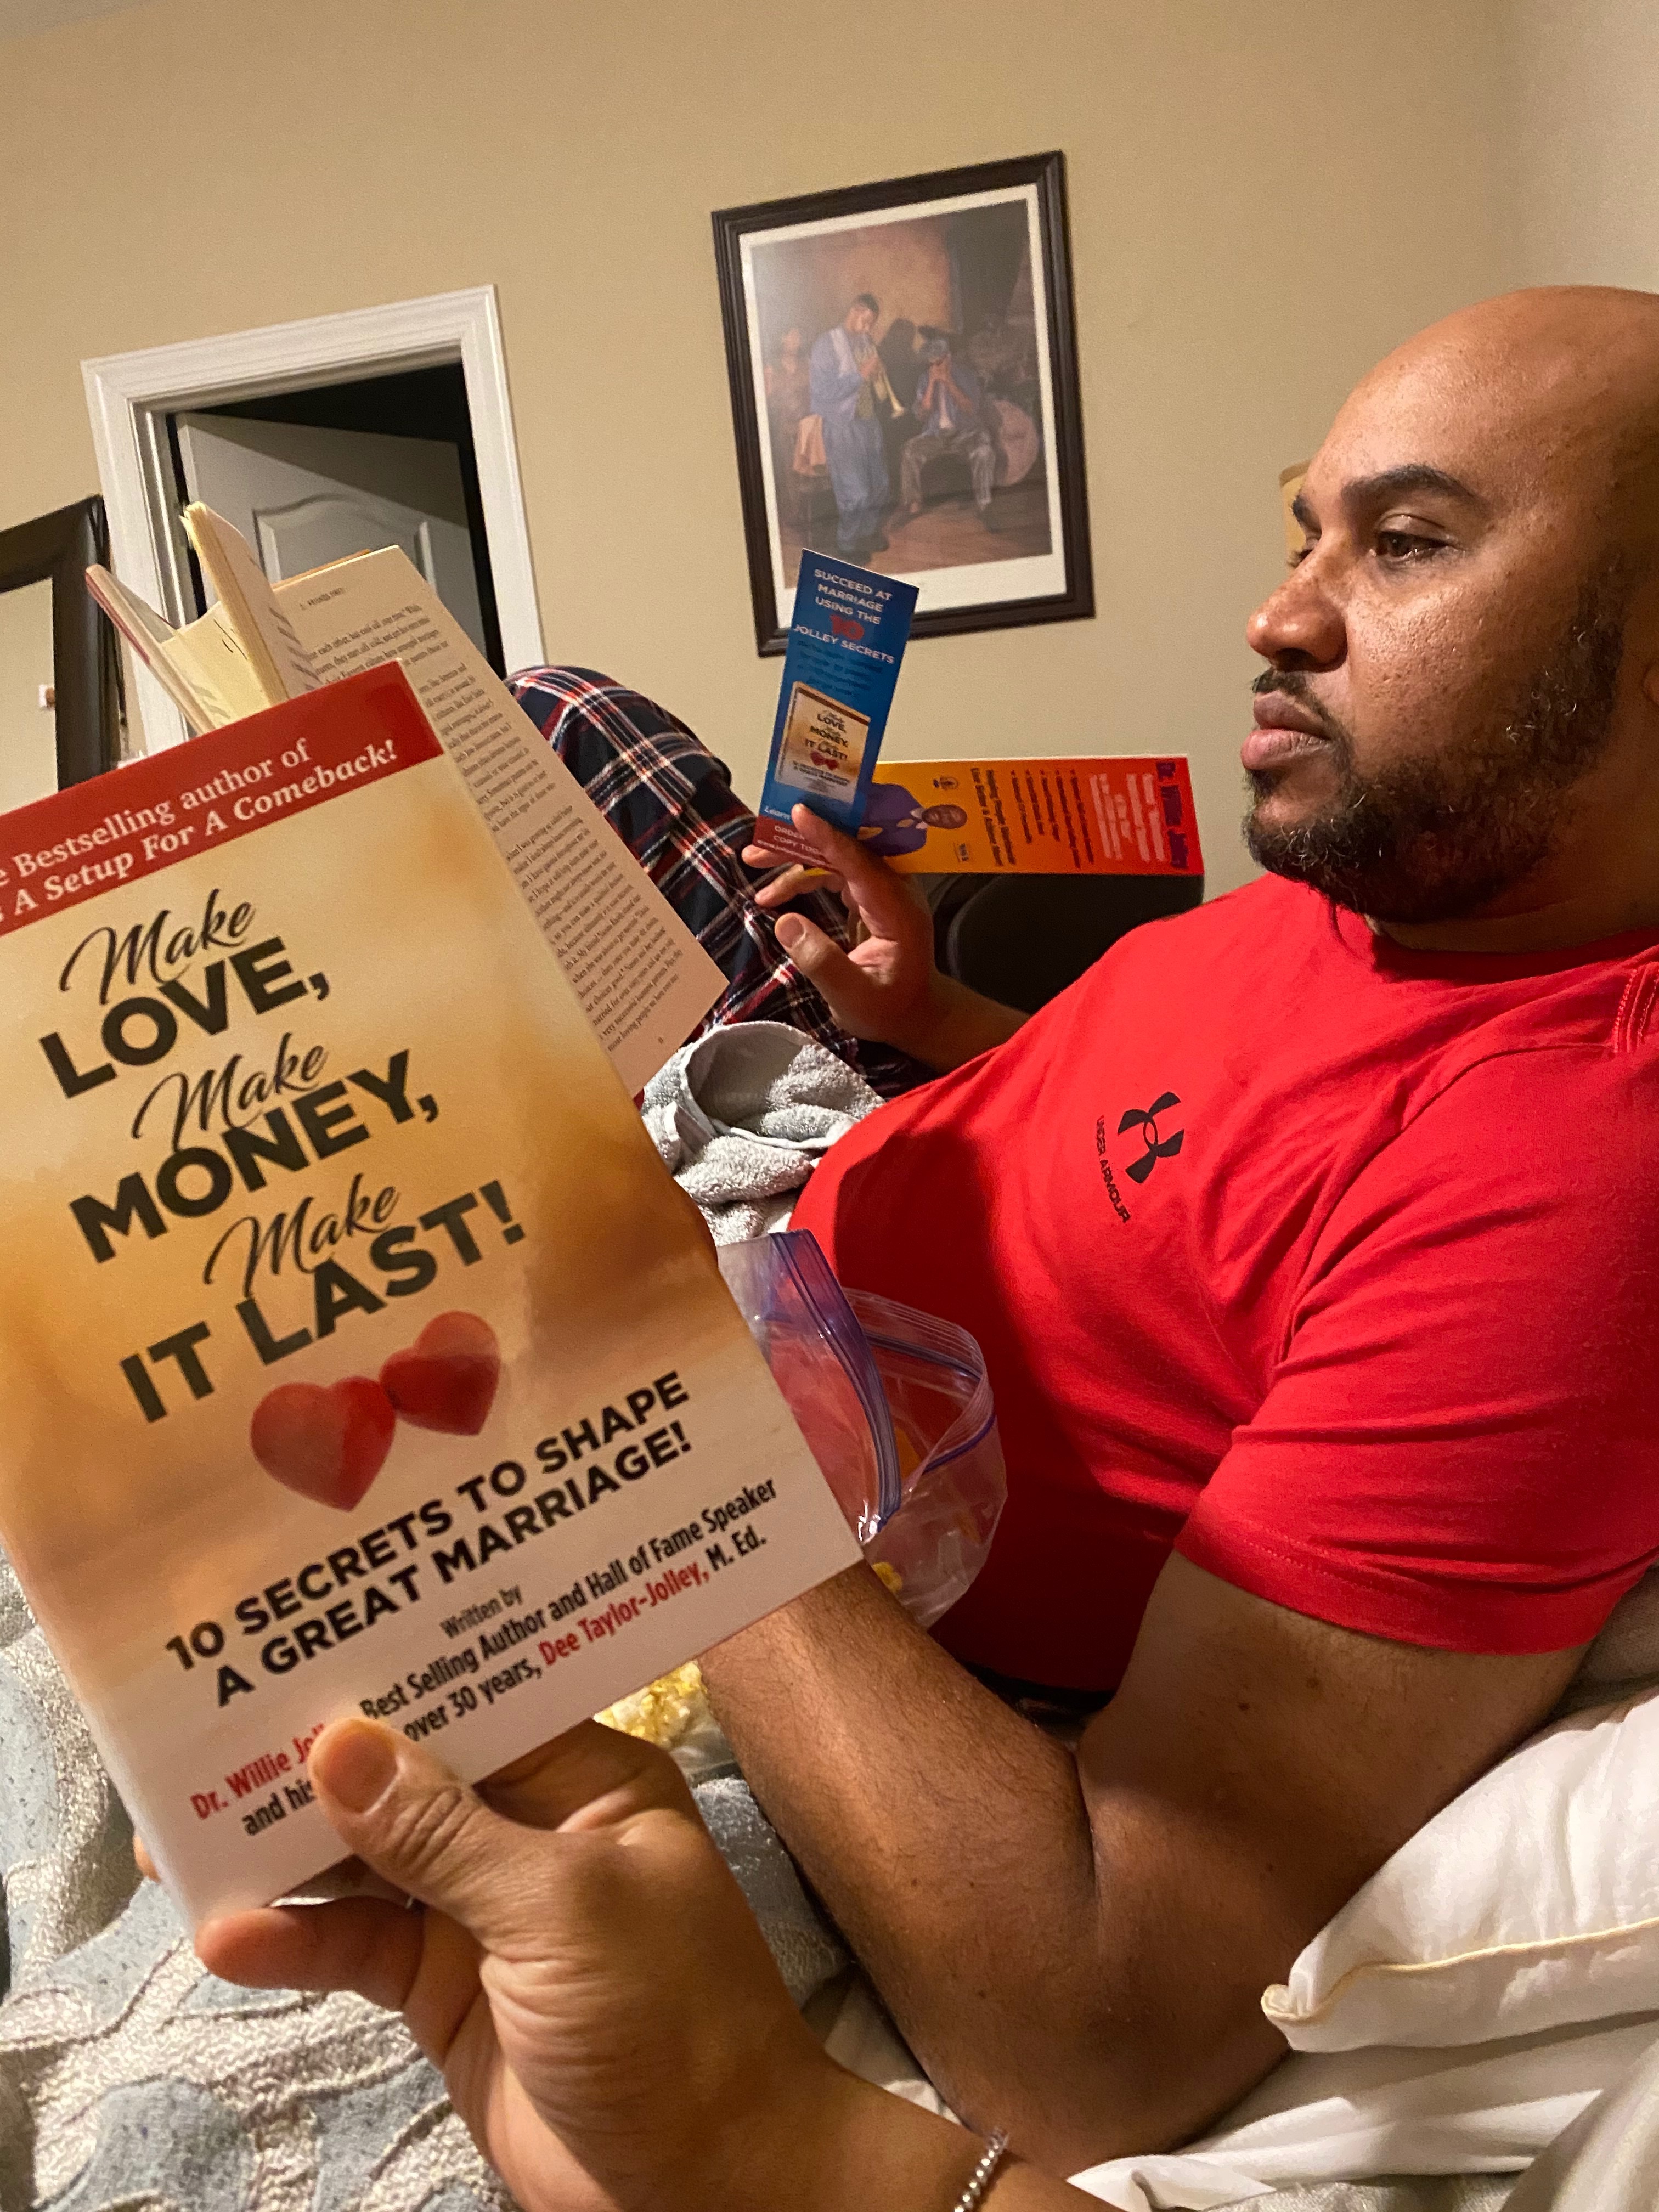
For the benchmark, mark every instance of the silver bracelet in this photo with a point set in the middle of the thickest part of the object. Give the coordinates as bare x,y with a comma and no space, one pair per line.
983,2174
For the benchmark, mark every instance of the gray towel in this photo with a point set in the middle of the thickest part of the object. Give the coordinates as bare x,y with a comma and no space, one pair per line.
743,1116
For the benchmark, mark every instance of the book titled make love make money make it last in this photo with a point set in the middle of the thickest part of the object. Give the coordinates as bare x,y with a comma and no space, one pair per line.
356,1352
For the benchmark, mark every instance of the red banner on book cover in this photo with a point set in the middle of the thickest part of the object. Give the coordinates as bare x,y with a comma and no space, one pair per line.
114,830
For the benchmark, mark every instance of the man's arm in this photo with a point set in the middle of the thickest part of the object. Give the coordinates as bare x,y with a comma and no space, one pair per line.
834,389
968,400
1076,1950
887,989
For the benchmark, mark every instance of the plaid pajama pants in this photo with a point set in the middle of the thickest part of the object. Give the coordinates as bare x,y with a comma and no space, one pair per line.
672,804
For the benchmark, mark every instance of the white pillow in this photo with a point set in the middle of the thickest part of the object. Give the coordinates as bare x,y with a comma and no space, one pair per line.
1532,1900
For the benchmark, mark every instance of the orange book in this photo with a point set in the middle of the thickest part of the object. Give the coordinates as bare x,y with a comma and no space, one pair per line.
1082,816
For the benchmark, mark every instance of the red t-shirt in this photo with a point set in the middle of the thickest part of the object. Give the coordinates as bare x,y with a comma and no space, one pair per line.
1331,1265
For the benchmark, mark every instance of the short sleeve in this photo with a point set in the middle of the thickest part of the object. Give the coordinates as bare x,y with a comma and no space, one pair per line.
1460,1445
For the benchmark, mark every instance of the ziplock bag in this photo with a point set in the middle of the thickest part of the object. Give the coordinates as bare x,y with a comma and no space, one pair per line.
897,1408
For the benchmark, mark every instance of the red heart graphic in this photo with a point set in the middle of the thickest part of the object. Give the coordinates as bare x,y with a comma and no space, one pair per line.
327,1443
447,1378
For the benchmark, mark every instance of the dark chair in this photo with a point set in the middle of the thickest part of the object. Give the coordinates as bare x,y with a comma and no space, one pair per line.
1022,940
58,547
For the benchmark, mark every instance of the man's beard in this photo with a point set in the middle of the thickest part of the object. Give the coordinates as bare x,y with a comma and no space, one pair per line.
1430,840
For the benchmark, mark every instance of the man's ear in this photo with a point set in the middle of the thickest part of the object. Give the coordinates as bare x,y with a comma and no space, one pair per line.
1651,684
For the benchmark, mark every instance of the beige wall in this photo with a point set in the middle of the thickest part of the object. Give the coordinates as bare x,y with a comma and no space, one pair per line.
1586,75
1265,195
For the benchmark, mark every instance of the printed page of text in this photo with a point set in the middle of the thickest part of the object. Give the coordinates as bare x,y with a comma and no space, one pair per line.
643,981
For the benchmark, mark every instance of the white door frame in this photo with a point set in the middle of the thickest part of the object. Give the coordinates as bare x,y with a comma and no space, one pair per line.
130,395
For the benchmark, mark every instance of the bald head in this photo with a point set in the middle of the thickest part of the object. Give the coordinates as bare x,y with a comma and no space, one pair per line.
1460,728
1552,393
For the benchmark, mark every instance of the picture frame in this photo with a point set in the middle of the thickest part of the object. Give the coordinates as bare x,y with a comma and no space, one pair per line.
58,547
956,460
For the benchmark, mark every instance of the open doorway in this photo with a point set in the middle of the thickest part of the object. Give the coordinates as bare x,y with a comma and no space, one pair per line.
319,439
317,475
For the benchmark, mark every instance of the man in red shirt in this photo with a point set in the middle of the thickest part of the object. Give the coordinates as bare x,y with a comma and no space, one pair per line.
1311,1243
1314,1247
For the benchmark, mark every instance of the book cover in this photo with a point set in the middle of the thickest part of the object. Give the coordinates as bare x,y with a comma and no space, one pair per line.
358,1354
845,642
1082,816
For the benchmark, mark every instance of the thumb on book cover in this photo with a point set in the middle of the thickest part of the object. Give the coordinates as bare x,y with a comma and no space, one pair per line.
397,1809
487,1856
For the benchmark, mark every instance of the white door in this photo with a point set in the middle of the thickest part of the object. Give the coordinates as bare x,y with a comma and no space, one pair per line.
302,496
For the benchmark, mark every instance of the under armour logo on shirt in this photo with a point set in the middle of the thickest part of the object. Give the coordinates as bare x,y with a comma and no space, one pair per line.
1146,1120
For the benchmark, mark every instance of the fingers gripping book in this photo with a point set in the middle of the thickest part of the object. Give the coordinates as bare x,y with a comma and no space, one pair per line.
359,1355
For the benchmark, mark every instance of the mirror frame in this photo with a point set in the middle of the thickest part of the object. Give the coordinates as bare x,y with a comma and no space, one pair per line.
58,547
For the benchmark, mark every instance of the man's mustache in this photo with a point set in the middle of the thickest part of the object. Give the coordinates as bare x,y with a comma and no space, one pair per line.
1291,683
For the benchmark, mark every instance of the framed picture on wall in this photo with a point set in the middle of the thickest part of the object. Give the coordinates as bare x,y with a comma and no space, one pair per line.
904,390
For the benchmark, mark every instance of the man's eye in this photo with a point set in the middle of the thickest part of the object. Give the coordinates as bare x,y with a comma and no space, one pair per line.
1296,559
1407,545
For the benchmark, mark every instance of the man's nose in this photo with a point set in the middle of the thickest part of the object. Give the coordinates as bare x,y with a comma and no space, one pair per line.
1298,626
